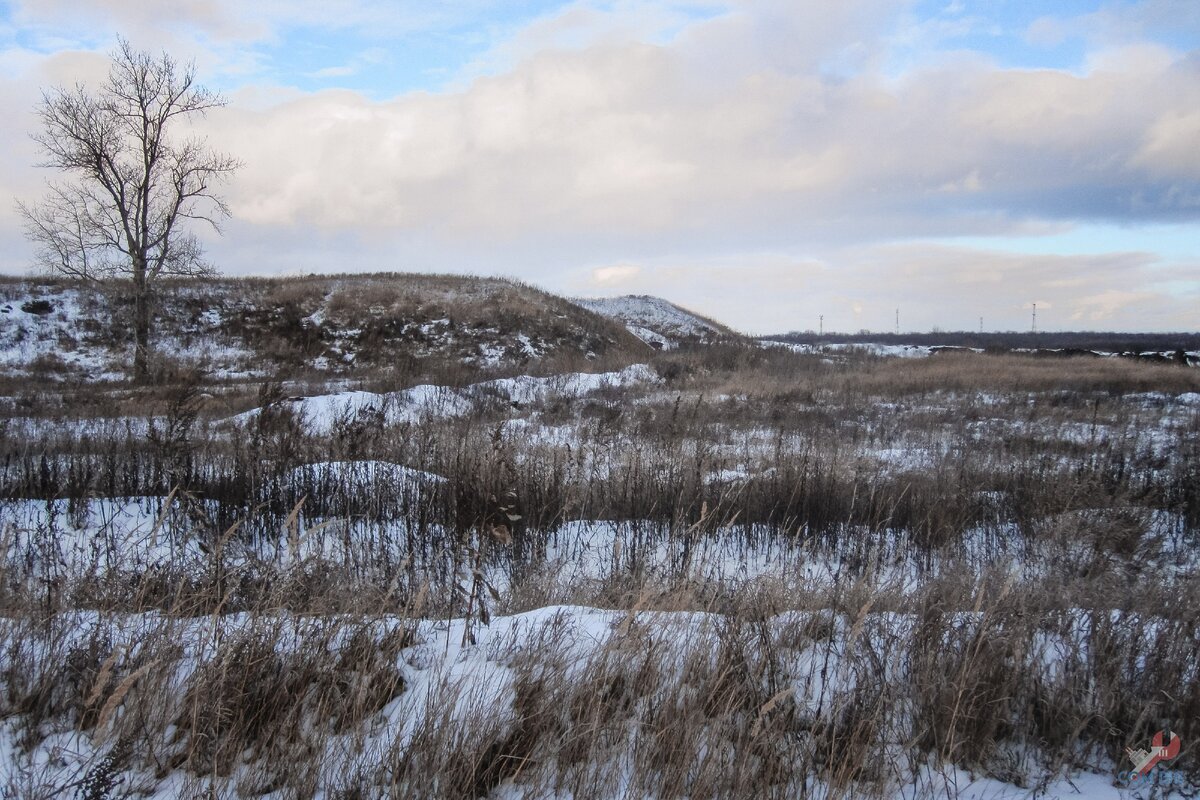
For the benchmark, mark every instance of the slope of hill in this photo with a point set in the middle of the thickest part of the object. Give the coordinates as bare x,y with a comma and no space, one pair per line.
342,325
657,322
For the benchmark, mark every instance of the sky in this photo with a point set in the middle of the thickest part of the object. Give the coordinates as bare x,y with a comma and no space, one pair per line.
765,162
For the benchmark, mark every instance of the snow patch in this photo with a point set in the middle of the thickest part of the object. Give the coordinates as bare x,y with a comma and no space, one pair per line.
324,413
655,321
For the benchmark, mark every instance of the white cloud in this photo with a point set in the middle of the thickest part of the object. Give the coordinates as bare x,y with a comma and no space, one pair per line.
730,129
646,138
1108,304
622,139
333,72
616,275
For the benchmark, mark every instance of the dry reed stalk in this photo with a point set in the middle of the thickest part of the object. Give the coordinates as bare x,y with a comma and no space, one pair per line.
118,695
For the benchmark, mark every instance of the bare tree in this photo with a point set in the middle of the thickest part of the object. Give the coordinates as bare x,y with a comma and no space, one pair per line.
132,189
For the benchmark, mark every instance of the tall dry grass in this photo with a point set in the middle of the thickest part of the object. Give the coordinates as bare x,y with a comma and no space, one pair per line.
1020,600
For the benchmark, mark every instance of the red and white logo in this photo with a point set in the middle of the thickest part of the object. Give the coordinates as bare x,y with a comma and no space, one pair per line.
1163,747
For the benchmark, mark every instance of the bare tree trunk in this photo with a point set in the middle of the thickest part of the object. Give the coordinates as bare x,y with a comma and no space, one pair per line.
141,325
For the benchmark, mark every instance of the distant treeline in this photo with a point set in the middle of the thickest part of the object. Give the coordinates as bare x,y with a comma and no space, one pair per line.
1107,342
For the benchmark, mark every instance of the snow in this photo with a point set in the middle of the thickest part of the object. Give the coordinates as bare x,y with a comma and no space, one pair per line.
864,348
527,348
28,338
451,683
75,334
219,327
58,539
323,413
951,782
526,389
652,319
376,474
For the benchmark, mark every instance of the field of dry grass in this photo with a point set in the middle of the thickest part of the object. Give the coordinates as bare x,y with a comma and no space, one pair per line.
746,573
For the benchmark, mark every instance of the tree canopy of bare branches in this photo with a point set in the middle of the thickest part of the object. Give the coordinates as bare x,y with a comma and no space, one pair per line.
131,191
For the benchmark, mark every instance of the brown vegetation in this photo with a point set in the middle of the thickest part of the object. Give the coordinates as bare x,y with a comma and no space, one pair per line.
1012,587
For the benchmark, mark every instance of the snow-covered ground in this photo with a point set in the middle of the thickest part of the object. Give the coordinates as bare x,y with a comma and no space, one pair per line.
68,542
543,617
461,674
46,332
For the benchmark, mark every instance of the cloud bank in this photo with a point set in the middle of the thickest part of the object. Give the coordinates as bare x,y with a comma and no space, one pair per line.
760,149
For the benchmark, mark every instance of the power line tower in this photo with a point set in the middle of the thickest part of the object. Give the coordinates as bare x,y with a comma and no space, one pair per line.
821,326
897,322
1034,328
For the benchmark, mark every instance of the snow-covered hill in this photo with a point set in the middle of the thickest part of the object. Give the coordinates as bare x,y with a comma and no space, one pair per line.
348,325
657,322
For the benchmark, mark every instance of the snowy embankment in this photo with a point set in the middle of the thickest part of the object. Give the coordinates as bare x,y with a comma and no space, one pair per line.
323,412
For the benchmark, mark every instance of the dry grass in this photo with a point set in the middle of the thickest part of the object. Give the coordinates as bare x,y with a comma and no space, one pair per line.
776,373
1040,621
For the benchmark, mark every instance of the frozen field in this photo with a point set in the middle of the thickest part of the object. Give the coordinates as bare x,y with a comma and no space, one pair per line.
969,576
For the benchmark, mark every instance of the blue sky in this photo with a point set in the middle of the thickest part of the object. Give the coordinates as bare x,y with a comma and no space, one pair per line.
763,161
